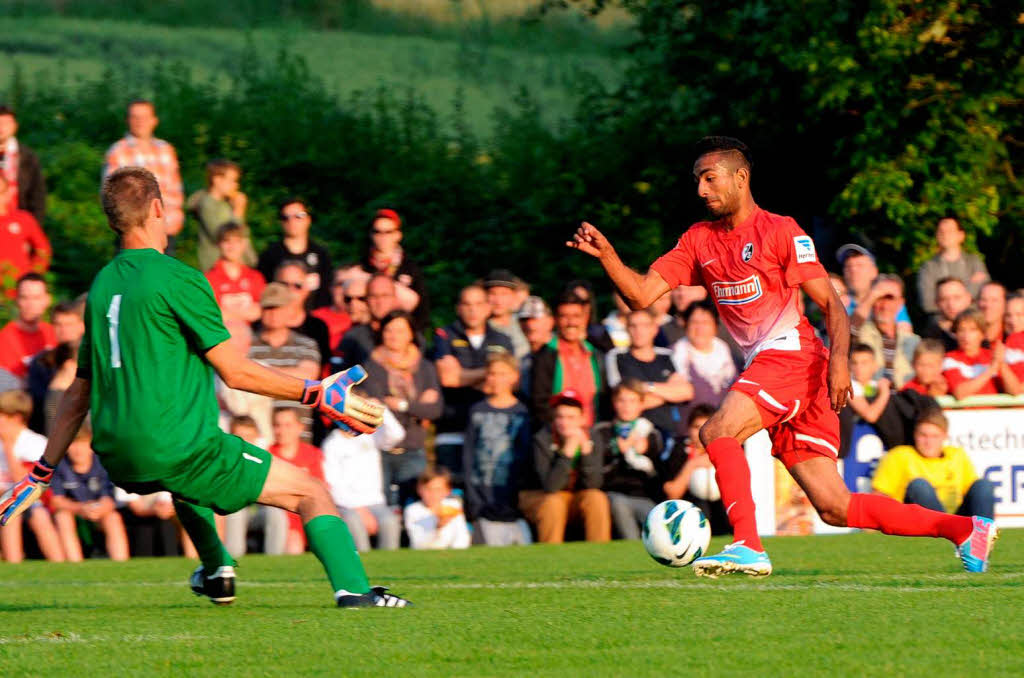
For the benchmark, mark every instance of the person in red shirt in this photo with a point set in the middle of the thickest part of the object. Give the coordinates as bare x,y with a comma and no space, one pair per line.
336,315
1013,322
237,287
927,364
754,265
28,333
973,369
288,445
24,248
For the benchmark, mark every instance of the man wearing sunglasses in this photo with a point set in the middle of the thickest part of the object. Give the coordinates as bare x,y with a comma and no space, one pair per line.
295,243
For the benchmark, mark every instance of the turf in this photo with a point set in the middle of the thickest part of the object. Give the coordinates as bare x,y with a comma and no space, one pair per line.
860,604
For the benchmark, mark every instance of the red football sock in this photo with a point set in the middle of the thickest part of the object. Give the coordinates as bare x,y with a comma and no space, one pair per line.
733,477
876,512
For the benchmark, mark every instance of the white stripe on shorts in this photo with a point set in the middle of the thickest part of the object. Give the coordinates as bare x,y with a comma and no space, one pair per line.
817,441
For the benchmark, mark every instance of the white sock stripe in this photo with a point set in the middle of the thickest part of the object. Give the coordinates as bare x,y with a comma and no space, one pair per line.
817,441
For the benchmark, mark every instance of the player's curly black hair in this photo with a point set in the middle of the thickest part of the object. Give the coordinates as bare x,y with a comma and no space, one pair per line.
716,144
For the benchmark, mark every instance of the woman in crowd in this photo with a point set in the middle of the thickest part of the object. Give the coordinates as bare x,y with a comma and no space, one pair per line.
407,383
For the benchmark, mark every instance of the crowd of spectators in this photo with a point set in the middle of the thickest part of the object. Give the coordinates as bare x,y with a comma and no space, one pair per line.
519,420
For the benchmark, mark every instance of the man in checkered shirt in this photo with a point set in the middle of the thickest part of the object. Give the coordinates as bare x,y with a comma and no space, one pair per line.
139,148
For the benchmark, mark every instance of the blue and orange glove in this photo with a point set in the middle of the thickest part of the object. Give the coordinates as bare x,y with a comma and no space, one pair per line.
26,491
334,398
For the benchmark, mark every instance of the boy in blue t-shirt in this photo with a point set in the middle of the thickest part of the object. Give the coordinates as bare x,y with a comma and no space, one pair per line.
82,489
497,443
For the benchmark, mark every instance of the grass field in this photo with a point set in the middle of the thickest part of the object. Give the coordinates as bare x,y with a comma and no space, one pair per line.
852,605
439,70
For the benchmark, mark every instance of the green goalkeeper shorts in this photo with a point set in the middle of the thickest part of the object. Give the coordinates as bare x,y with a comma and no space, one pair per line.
226,476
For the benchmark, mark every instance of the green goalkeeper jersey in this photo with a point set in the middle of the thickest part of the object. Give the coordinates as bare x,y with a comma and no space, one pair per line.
149,321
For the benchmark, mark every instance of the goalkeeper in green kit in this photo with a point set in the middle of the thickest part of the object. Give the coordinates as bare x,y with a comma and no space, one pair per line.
153,332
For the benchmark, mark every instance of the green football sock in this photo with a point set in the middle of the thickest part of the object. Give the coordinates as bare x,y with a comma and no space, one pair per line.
198,523
331,542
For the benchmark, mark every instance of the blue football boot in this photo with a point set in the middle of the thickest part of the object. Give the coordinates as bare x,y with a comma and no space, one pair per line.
976,549
734,558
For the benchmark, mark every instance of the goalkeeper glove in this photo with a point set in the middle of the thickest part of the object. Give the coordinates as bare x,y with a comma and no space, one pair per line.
26,491
333,397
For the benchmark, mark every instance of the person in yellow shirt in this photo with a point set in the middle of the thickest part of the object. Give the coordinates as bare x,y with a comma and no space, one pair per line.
931,474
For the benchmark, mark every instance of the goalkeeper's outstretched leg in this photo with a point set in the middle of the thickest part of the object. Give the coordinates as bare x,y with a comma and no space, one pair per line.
293,489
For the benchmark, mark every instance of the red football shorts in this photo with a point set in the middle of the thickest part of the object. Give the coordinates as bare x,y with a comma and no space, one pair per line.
790,390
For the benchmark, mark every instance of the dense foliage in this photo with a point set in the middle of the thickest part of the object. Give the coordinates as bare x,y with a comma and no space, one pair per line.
871,117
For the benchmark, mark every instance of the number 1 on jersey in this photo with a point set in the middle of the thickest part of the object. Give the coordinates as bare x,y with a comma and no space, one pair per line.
113,314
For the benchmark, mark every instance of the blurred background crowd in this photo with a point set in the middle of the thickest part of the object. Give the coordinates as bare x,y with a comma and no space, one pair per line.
517,418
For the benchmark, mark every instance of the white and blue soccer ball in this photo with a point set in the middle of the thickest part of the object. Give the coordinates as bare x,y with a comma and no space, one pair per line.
676,533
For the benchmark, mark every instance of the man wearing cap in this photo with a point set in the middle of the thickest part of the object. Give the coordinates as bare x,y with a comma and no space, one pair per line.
460,355
564,483
278,346
295,243
387,257
537,324
502,296
949,262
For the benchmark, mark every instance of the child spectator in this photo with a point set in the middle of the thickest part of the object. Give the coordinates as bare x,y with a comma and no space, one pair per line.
1014,355
927,364
353,473
20,446
630,449
220,203
236,285
564,482
289,446
436,521
273,520
973,369
496,447
689,474
870,395
930,474
82,492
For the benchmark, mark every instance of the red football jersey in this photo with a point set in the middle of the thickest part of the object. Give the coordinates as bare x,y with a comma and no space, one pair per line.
235,293
959,367
752,273
1015,353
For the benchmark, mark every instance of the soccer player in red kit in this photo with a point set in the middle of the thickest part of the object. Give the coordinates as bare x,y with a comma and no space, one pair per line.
754,264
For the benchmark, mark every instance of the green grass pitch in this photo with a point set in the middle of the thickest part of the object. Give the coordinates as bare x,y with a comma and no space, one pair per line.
861,604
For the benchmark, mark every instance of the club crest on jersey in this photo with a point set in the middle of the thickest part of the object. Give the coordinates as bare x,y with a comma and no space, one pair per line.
739,292
748,252
804,249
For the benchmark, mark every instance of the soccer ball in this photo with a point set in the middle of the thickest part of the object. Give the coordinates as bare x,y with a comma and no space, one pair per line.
676,533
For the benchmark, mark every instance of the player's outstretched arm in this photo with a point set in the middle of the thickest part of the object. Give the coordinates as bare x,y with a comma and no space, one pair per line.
332,396
70,412
837,324
639,291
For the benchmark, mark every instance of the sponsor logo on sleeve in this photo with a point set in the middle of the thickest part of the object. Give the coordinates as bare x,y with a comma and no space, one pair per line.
804,249
739,292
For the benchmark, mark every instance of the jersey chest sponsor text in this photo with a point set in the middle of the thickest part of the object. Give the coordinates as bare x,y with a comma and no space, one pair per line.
738,292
